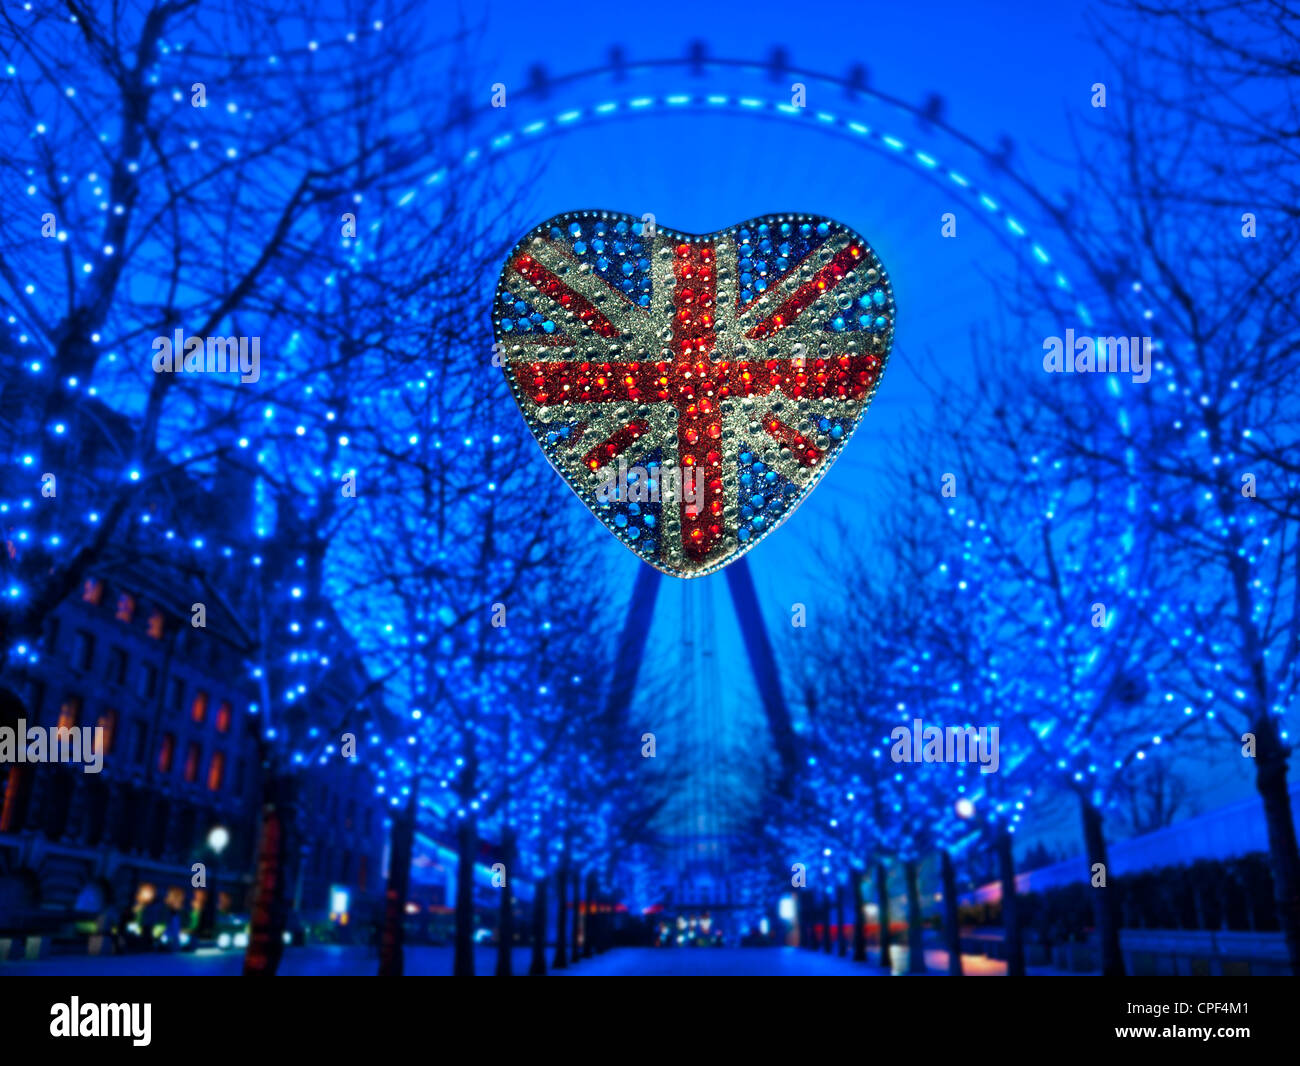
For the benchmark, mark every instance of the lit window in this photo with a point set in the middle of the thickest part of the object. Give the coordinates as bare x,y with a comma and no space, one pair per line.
192,762
92,591
125,607
69,712
165,753
157,625
223,717
199,708
108,723
216,771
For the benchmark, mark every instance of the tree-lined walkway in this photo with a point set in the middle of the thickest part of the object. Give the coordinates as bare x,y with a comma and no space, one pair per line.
337,961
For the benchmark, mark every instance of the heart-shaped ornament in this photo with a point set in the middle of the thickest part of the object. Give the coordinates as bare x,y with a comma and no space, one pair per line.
692,390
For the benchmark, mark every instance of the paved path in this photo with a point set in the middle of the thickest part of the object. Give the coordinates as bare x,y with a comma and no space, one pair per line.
329,960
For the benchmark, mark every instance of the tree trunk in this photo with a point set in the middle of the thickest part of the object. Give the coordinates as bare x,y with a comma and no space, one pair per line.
915,933
1010,911
951,922
1103,899
270,898
1284,856
393,932
506,909
574,944
588,926
841,945
466,852
859,921
882,898
561,959
826,924
538,966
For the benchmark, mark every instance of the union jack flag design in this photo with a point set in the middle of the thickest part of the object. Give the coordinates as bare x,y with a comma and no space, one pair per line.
692,390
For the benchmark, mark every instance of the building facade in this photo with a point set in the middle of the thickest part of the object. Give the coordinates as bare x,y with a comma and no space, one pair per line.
180,758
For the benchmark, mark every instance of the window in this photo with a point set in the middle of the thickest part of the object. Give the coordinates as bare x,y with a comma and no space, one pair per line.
223,717
157,625
176,694
92,591
239,777
108,723
147,683
192,756
117,666
125,607
350,813
70,712
363,873
216,771
83,650
165,753
199,708
139,741
369,821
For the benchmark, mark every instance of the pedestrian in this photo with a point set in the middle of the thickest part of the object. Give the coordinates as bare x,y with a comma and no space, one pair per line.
173,935
121,935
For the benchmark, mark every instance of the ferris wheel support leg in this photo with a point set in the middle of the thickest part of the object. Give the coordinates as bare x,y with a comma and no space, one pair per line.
759,647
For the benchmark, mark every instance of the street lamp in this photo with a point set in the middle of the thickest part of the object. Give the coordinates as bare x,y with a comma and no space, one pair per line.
218,838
